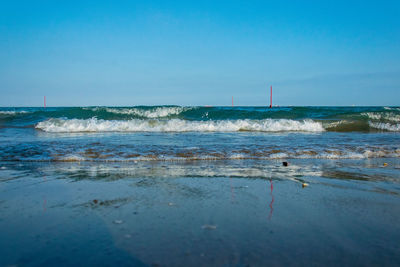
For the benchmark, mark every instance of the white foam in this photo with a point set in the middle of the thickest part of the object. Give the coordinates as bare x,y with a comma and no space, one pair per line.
177,125
346,155
278,156
71,158
238,156
388,116
340,154
385,126
158,112
390,108
6,112
355,153
380,154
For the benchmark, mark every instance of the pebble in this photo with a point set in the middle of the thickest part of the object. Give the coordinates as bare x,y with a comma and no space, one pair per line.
304,185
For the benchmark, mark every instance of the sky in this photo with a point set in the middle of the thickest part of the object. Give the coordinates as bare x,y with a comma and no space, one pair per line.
125,53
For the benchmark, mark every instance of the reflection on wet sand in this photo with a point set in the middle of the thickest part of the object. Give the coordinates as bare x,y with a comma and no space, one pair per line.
209,213
235,169
44,198
272,201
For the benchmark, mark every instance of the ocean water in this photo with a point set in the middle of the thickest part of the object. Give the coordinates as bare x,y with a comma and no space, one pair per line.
197,133
181,186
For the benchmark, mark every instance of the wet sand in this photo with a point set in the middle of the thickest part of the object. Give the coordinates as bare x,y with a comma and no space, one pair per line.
207,213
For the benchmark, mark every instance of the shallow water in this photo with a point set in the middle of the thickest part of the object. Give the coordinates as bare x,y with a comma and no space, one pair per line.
199,197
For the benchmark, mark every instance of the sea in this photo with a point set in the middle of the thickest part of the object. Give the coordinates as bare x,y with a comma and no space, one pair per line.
174,133
199,185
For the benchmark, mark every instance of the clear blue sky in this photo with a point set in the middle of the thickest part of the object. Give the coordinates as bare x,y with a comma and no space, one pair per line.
199,52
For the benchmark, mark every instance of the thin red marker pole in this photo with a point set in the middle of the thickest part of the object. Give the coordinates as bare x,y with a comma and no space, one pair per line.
45,101
270,105
232,101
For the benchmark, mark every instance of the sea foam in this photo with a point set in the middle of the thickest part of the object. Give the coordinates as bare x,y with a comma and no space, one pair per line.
337,153
155,112
385,126
387,116
7,112
178,125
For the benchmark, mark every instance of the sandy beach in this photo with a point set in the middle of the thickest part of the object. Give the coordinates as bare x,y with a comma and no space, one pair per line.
110,214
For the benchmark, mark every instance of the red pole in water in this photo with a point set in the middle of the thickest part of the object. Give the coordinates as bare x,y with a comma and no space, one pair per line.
232,101
270,105
44,101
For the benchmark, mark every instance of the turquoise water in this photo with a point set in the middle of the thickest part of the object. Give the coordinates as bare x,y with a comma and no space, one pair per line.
179,119
197,133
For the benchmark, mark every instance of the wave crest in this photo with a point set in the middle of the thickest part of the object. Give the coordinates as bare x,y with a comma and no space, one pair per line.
12,112
386,116
385,126
178,125
151,113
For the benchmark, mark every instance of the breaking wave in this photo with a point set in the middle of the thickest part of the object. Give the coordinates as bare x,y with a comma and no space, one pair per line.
391,108
151,113
385,126
386,116
178,125
3,112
